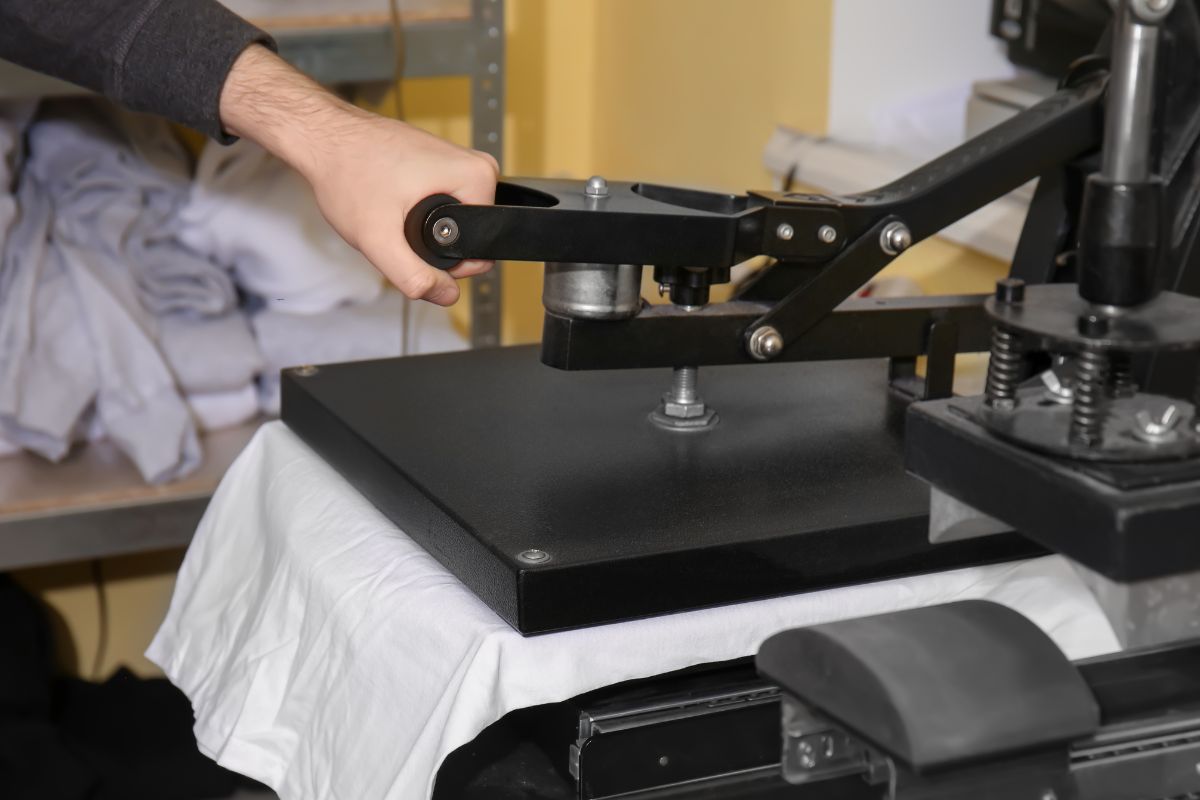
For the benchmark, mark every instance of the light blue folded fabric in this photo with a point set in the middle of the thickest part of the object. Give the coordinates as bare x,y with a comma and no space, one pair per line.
47,371
89,261
210,354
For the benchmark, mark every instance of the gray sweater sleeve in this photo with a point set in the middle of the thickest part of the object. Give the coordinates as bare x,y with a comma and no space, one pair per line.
169,57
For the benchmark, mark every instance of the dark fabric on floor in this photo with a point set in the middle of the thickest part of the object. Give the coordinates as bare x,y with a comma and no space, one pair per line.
68,739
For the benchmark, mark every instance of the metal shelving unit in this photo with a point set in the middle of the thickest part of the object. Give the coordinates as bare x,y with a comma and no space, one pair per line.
94,504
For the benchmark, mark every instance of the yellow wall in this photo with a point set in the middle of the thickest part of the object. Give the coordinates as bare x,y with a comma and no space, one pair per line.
680,91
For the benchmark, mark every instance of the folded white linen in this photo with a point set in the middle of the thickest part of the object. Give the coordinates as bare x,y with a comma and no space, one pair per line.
328,655
251,213
80,331
210,354
348,333
217,410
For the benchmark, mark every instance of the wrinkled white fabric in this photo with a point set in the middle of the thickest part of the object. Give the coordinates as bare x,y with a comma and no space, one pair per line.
108,206
215,411
328,655
348,333
47,374
251,213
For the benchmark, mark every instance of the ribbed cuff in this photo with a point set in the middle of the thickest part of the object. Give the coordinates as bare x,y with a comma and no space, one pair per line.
179,58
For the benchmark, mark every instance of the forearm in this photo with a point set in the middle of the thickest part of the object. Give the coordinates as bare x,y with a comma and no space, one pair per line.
268,102
367,172
169,57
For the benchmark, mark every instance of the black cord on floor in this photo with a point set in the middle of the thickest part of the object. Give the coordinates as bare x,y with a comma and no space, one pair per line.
102,609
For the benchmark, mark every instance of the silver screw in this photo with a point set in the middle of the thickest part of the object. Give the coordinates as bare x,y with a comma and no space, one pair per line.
1049,794
307,371
827,234
445,231
766,343
663,289
785,232
596,187
895,238
534,556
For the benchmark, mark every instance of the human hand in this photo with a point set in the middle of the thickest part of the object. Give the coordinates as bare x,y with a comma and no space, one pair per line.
367,171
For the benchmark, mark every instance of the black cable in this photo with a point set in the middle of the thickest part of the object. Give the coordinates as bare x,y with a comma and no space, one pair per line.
102,610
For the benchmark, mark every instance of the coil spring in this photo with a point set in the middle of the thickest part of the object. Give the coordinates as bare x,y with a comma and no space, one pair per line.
1004,368
1120,376
1091,403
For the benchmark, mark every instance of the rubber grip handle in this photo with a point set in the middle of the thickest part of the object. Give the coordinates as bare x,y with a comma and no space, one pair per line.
418,230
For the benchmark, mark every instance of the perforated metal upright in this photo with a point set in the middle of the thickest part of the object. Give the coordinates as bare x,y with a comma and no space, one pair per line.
487,120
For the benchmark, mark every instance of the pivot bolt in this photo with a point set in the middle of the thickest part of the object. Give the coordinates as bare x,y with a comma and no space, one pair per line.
534,556
827,234
596,187
445,231
785,231
895,238
766,343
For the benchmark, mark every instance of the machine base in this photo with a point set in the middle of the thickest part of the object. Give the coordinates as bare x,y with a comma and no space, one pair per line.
1128,522
556,500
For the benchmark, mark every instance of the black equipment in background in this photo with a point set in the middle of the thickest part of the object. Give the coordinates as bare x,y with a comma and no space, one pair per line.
1048,35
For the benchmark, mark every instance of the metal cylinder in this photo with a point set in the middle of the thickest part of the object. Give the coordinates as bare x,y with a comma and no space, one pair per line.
1130,114
592,291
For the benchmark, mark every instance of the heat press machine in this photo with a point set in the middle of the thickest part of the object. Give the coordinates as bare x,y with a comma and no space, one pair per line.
576,491
591,487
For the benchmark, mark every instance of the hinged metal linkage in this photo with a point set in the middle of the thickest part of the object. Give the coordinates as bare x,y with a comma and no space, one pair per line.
595,235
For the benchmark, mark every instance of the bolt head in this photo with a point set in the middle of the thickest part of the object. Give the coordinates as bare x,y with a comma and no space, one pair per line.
306,371
1093,325
895,238
596,187
534,556
766,343
827,234
785,232
445,231
1010,291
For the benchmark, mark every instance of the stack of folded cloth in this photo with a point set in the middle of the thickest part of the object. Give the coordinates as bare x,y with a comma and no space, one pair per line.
315,298
142,304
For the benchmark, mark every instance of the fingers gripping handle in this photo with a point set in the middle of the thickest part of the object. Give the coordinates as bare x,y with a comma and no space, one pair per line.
427,226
